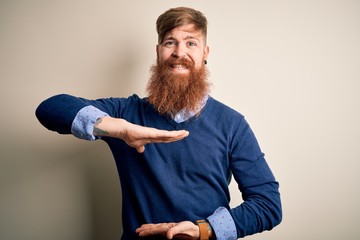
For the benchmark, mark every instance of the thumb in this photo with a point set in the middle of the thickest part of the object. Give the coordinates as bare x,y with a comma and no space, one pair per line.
170,234
186,229
140,149
173,231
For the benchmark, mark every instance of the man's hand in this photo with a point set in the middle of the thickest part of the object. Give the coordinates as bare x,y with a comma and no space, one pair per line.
181,230
134,135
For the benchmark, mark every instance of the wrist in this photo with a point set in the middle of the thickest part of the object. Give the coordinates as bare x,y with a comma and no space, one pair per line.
211,232
205,230
110,127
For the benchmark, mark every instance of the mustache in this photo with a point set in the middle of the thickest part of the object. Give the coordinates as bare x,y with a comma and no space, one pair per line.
178,61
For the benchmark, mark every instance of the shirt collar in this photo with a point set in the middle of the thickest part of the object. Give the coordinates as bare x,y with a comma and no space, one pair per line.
184,115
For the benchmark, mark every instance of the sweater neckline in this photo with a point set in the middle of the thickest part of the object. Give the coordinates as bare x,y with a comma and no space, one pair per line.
193,119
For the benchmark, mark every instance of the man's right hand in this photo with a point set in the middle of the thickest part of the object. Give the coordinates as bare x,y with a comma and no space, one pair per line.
134,135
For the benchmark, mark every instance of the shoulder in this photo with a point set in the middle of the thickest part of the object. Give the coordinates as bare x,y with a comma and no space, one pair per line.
224,117
123,102
222,109
136,101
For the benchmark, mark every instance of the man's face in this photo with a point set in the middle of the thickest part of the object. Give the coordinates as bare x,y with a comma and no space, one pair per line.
183,42
179,78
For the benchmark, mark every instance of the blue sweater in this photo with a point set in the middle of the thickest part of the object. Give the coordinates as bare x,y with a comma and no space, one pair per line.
187,179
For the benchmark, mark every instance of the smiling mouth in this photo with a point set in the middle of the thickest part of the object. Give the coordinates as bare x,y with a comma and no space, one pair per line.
178,67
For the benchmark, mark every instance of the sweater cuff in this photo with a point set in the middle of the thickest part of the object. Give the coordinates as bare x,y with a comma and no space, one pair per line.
83,124
223,224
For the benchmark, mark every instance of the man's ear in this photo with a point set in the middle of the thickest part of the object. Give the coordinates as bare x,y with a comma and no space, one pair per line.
206,52
157,51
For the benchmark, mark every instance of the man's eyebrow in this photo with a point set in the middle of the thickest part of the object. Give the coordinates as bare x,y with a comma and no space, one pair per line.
192,37
186,38
169,38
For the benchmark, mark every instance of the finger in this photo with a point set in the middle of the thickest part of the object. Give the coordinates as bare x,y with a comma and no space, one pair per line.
165,136
140,149
180,133
160,136
170,134
144,227
153,229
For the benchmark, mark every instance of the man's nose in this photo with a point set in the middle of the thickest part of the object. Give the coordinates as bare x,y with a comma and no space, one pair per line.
179,51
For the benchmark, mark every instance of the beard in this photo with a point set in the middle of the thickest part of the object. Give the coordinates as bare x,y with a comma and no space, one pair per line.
171,92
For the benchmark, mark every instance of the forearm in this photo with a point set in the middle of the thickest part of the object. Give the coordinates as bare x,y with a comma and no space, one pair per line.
110,127
260,211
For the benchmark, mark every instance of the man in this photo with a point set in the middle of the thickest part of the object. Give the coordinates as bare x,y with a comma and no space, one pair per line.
178,186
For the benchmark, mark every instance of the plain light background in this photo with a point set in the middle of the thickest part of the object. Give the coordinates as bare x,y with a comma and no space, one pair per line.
291,67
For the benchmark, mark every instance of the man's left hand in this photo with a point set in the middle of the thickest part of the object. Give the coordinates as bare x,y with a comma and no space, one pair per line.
181,230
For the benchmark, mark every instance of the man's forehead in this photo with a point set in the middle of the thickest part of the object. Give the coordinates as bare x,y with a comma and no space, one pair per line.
187,31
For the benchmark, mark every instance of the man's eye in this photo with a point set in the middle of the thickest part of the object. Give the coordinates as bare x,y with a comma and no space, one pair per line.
191,44
169,44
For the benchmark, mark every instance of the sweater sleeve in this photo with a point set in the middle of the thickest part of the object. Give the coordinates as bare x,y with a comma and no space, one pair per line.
261,209
68,114
58,112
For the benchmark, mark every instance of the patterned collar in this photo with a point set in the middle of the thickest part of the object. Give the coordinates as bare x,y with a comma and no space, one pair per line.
184,115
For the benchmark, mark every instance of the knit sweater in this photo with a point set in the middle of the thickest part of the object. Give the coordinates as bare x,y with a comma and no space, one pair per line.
187,179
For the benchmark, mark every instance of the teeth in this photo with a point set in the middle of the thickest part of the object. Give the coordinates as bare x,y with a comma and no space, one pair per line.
179,67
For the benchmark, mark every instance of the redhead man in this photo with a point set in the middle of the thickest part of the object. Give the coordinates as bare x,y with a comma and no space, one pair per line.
177,188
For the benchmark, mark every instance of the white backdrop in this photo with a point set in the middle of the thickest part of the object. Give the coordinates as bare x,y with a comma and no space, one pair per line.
291,67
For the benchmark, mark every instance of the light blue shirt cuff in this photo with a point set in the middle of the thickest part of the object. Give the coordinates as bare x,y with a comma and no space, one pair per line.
83,124
223,224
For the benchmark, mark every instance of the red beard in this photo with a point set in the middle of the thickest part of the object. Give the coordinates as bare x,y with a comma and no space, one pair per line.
170,92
